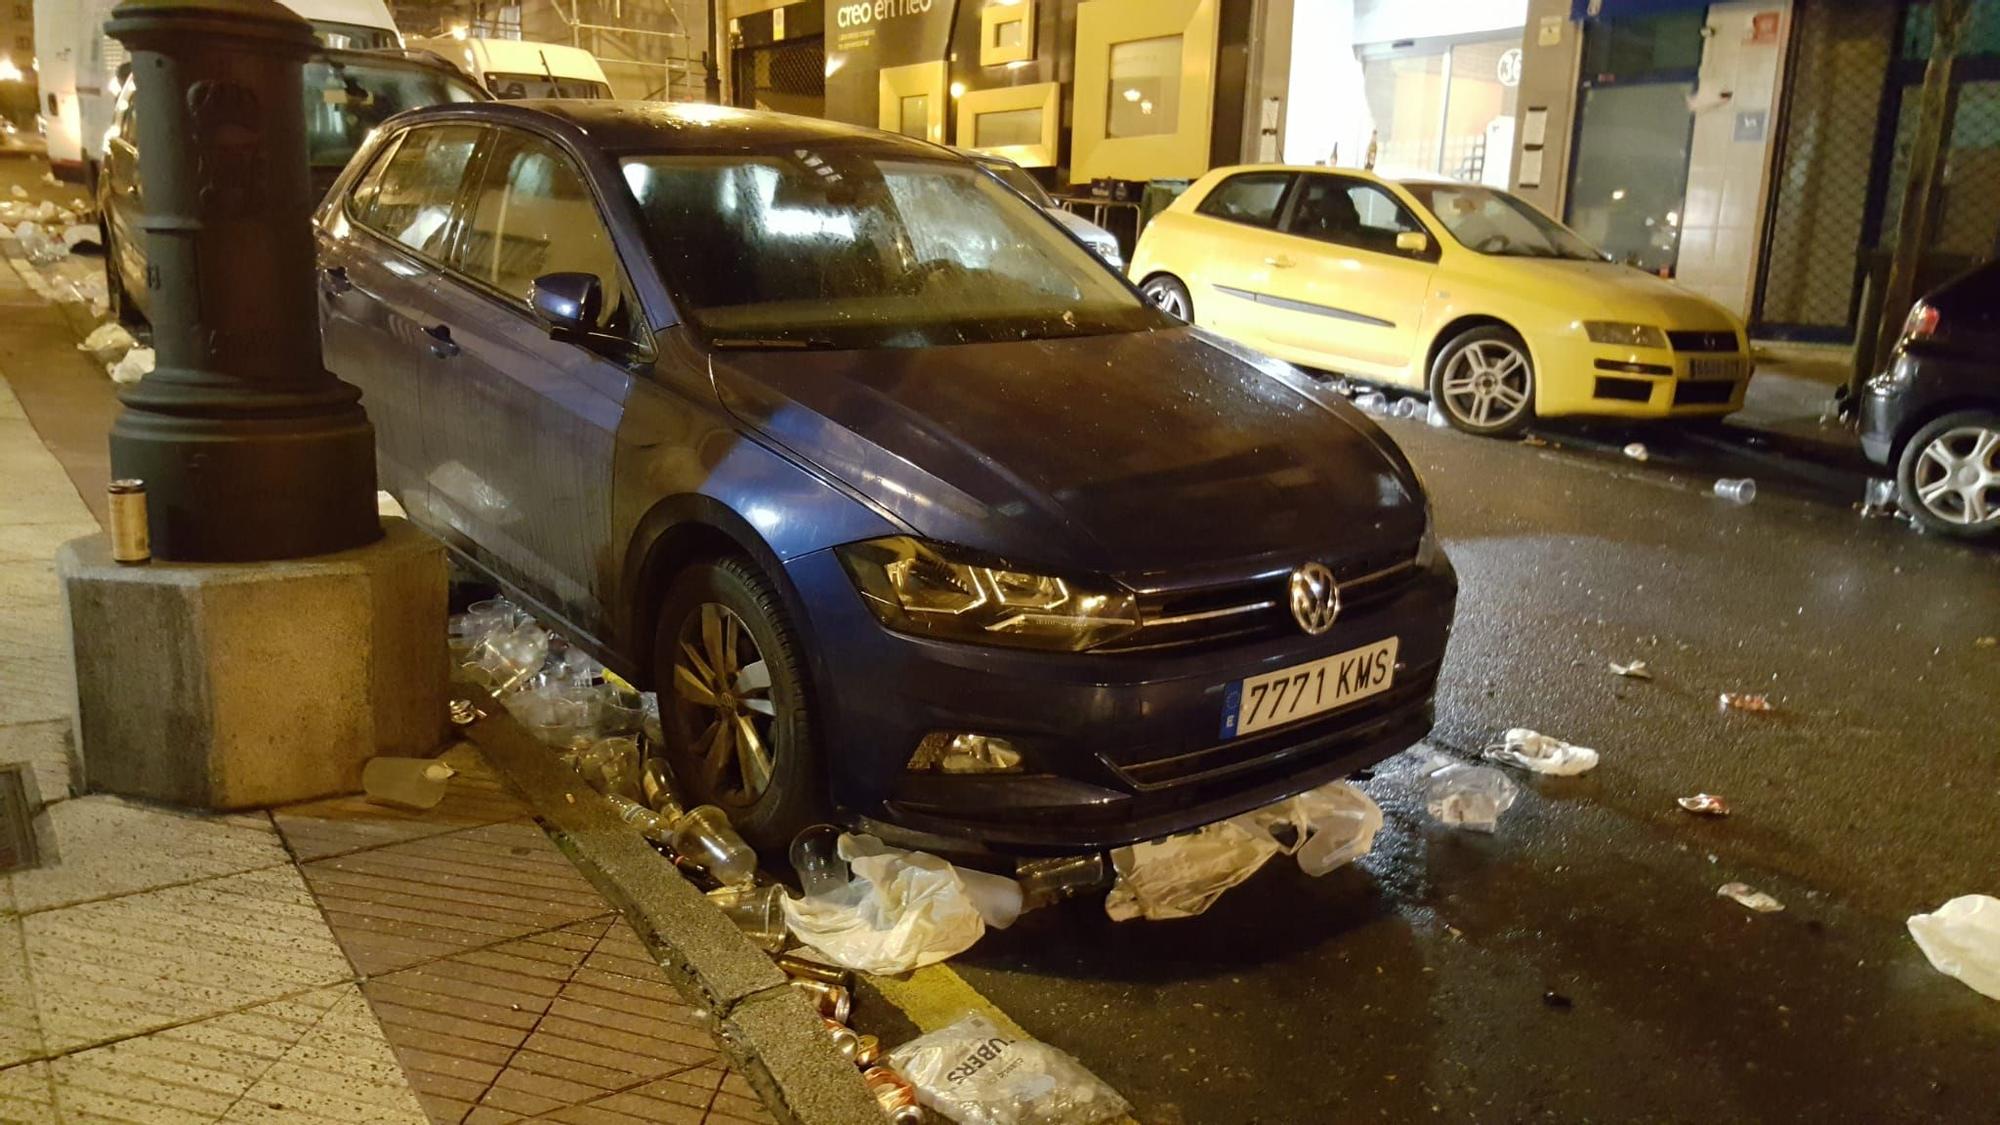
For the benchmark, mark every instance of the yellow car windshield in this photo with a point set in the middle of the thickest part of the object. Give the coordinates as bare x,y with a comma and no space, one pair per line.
1493,222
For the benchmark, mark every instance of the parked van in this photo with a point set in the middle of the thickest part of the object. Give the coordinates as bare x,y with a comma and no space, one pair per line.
515,68
80,64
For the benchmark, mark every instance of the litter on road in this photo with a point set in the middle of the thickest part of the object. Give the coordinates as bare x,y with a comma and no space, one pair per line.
1741,701
136,365
1637,452
900,911
1541,753
1469,797
1750,897
1704,804
976,1074
1738,490
1636,670
1962,939
1182,876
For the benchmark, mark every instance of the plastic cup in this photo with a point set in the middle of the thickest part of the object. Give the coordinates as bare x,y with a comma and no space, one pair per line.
815,856
620,712
706,838
756,912
1737,490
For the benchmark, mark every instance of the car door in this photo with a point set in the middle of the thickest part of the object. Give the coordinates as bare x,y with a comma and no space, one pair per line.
1230,250
123,204
380,254
1350,292
520,425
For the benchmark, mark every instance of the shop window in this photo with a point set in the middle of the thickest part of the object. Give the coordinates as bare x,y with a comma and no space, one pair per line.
1006,32
1631,171
1144,99
1445,108
1631,46
1017,122
915,116
1006,127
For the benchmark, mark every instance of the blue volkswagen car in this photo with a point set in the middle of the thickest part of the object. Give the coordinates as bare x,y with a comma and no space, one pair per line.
916,515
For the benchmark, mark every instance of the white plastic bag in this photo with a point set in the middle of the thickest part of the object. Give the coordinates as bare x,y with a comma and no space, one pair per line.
1962,939
137,364
1181,876
1542,753
976,1074
1332,825
1468,796
110,336
901,911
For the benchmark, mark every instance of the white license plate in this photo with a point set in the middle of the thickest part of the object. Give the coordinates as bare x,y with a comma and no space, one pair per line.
1303,690
1715,368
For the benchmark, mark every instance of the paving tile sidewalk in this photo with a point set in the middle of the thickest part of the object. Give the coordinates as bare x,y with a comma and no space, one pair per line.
333,960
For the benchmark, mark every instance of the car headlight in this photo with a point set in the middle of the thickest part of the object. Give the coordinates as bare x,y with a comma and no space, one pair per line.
1624,335
938,591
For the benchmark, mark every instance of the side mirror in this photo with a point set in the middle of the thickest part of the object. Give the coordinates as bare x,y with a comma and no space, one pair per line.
1413,242
567,302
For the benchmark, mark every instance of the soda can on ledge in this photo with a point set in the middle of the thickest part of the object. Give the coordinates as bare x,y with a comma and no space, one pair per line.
131,543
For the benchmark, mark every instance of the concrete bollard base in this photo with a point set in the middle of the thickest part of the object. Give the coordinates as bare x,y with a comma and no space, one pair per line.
242,685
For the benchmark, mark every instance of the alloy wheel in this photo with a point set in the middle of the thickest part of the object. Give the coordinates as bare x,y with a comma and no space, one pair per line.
1957,476
723,687
1168,300
1486,384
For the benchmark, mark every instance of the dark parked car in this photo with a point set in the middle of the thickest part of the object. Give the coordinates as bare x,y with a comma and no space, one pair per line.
347,93
1934,415
915,514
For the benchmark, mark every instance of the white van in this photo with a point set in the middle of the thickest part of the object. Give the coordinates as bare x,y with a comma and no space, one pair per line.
79,66
515,68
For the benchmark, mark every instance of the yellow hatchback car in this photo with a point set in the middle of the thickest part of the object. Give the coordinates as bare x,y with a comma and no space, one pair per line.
1469,294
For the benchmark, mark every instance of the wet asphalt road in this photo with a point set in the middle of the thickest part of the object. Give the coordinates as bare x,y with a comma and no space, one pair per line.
1578,966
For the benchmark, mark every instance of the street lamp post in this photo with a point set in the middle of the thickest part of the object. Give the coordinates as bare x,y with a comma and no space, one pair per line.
249,448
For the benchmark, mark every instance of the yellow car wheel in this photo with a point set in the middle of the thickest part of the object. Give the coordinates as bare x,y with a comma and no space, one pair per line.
1484,382
1169,296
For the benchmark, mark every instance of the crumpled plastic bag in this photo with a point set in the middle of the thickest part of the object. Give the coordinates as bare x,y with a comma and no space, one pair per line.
1181,876
137,364
1466,796
976,1074
80,234
901,911
110,336
1332,825
1541,753
1962,939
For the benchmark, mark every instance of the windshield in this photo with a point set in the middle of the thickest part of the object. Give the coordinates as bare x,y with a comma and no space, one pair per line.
1015,177
856,246
542,86
1493,222
345,98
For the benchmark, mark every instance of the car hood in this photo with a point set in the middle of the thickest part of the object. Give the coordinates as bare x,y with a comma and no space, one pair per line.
1620,292
1081,227
1157,457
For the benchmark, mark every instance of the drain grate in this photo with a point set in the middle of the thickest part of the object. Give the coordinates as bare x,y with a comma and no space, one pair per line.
19,802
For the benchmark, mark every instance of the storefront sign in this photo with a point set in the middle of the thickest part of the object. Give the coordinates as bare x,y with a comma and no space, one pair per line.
1510,67
863,36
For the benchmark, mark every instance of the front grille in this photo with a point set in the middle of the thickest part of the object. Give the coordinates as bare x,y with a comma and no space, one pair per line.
1264,749
1623,390
1703,341
1703,394
1232,614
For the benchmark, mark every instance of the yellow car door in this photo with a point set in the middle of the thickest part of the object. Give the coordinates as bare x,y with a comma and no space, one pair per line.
1223,251
1354,269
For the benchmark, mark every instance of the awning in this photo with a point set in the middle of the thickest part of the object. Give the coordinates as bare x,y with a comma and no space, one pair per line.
1625,9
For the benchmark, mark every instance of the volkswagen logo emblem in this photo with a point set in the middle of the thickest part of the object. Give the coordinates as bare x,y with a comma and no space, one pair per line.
1315,598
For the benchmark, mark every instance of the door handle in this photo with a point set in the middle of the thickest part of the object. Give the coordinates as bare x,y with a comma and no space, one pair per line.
336,281
441,341
1280,262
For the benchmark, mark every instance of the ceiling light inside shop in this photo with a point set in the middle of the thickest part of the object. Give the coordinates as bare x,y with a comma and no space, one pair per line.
1146,106
1617,195
1131,95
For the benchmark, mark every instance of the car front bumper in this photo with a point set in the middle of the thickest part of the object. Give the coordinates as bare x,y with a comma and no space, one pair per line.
1118,747
1579,377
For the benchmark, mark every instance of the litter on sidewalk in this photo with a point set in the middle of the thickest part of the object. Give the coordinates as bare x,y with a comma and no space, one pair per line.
1704,804
900,911
1541,753
1750,897
1469,797
134,366
976,1074
406,783
1961,939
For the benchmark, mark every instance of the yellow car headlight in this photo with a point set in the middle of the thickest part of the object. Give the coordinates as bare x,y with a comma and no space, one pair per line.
1624,335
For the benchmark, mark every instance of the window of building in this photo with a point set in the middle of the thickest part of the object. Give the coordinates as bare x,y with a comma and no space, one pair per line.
1004,127
914,115
1252,198
1144,98
1445,108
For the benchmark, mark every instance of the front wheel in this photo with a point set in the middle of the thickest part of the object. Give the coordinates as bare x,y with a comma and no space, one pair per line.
1948,478
1485,382
1169,296
733,701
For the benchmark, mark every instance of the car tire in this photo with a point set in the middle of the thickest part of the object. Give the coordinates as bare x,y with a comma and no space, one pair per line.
1169,296
116,299
1484,381
723,595
1948,476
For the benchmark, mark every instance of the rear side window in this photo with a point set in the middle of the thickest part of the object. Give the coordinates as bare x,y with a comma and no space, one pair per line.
533,214
1252,198
410,198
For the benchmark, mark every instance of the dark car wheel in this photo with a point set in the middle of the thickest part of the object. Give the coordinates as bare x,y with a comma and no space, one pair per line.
1948,478
115,297
1169,296
1484,382
731,680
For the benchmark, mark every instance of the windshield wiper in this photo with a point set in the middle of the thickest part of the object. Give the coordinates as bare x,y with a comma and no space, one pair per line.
768,343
